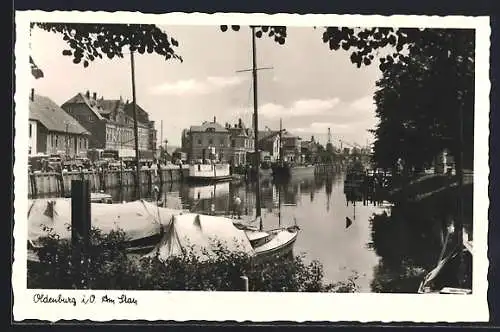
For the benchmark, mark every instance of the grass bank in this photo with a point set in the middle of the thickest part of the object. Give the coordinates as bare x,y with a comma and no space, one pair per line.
436,197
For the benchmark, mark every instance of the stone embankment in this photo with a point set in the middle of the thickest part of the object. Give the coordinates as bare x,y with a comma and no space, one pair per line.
59,184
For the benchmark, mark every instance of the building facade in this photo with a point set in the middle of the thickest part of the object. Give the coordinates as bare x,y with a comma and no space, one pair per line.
209,141
291,146
53,131
212,141
111,124
143,117
242,142
269,142
309,150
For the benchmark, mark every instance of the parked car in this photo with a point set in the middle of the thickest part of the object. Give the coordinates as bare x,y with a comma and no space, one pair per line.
54,164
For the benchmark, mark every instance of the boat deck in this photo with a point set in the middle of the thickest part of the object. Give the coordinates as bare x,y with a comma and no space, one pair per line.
280,240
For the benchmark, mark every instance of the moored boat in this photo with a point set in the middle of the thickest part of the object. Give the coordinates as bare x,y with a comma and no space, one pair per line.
98,197
443,279
201,234
141,221
151,229
272,244
204,173
281,170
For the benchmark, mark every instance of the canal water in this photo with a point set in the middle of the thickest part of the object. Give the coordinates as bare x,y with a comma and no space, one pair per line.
350,240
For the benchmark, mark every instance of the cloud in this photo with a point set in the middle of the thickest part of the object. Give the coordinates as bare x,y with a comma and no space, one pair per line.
222,82
302,107
363,104
320,127
196,87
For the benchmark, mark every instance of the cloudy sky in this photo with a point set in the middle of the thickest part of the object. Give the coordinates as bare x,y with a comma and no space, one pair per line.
310,87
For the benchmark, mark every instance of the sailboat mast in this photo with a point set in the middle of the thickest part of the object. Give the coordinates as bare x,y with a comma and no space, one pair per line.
281,141
256,128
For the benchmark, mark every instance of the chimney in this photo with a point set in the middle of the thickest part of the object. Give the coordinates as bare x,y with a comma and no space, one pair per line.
94,95
239,123
87,94
215,119
32,96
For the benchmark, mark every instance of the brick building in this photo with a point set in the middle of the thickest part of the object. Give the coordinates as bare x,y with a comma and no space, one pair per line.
208,141
111,124
53,131
242,142
211,140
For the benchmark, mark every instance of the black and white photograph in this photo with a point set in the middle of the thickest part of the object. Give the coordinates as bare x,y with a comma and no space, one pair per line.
251,167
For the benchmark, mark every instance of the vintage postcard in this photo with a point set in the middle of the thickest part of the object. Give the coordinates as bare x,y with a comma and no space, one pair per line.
251,167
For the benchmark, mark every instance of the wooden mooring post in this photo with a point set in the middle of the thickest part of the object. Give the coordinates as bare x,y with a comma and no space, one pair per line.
80,226
244,283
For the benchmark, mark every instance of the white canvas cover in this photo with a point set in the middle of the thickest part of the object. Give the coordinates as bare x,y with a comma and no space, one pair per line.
200,231
138,219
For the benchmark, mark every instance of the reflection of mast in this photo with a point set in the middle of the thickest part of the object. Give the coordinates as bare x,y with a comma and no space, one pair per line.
213,200
328,190
279,206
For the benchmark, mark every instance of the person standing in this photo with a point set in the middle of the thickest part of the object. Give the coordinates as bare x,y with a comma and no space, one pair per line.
237,206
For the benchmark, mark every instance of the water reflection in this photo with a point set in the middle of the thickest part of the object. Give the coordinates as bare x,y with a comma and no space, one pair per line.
344,231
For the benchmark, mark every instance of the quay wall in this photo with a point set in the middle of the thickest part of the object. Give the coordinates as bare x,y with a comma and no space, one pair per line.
321,169
52,183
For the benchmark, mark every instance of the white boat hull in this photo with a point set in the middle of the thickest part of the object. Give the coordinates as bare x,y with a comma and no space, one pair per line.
281,245
209,172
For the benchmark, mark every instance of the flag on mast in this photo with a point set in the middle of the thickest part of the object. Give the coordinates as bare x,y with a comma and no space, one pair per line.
35,71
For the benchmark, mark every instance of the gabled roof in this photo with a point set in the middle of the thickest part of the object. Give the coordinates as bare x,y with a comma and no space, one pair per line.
142,115
241,132
287,134
107,105
209,125
53,117
267,134
81,98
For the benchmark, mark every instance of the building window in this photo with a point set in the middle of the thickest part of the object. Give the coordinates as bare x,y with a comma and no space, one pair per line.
233,143
210,141
222,142
30,129
199,142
